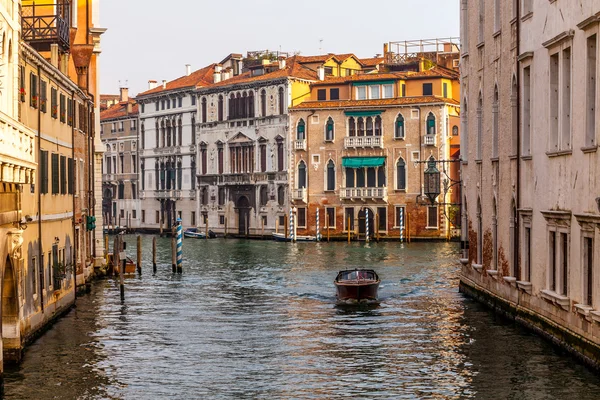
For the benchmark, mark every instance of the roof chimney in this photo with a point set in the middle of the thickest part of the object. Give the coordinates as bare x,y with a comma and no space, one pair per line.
217,74
151,84
164,84
124,94
281,63
321,72
188,69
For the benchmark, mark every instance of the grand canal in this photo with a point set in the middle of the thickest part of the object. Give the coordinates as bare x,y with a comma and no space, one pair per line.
256,320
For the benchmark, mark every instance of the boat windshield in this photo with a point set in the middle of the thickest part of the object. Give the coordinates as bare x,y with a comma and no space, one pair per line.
357,275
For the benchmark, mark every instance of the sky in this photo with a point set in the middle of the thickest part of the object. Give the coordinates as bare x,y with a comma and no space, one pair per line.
154,39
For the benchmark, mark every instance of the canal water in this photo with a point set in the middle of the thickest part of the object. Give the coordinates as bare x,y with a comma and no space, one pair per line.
257,320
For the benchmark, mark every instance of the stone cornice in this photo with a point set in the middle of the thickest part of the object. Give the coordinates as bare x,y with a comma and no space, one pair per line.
241,86
566,35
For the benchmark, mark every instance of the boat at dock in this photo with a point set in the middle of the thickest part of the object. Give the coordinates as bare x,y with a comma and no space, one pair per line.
357,286
280,237
194,233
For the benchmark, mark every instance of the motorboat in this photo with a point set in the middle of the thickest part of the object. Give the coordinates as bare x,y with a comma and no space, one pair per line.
194,233
280,237
357,286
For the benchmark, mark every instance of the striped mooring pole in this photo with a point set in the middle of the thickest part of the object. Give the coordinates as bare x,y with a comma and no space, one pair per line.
401,225
179,245
291,225
318,227
367,225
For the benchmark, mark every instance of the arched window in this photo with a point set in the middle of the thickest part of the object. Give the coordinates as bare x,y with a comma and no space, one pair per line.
351,126
330,175
220,109
300,130
329,133
204,109
495,124
399,130
281,195
238,109
251,104
378,126
479,126
495,237
301,175
430,124
401,174
180,132
263,103
281,102
245,105
231,107
361,126
369,126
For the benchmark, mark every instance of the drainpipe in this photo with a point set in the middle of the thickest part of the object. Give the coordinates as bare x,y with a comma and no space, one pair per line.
40,248
518,194
91,152
73,247
420,155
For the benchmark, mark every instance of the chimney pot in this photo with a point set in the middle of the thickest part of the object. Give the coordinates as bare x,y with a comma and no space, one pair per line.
164,85
151,84
188,69
124,94
321,73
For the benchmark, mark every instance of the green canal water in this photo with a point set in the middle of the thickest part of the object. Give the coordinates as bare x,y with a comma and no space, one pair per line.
257,320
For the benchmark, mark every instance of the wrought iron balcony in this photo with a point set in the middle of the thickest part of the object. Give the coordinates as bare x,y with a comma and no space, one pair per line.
45,23
359,142
377,193
299,194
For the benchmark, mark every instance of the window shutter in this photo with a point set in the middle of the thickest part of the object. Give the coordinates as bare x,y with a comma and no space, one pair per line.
71,181
44,174
55,181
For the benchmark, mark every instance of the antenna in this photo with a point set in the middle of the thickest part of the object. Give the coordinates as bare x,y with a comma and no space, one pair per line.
320,46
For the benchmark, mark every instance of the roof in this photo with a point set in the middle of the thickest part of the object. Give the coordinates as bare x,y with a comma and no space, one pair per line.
109,96
372,62
398,101
435,72
119,110
201,77
293,69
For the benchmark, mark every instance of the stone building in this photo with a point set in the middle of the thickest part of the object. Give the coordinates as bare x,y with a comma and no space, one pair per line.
531,213
242,140
356,144
167,150
120,136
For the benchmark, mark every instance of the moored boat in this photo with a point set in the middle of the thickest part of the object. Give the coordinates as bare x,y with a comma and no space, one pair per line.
357,286
194,233
280,237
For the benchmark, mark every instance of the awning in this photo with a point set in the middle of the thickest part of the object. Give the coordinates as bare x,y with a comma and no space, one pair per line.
362,113
362,162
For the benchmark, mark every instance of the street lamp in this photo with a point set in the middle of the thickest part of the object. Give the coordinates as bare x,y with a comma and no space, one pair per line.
432,180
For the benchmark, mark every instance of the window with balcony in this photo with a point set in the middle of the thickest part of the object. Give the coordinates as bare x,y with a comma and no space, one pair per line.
431,129
329,130
302,175
401,174
378,126
399,131
361,126
301,130
330,175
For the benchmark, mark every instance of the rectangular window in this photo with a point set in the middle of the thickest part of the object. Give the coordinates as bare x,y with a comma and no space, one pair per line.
44,172
526,110
54,103
403,90
590,135
193,100
382,218
400,217
63,108
552,261
134,214
63,175
330,217
445,90
334,94
33,92
55,175
143,215
193,218
361,93
349,219
281,220
554,99
375,92
428,89
328,71
301,217
34,268
566,99
22,90
43,96
432,217
69,112
388,91
157,217
221,220
564,263
322,94
588,268
122,213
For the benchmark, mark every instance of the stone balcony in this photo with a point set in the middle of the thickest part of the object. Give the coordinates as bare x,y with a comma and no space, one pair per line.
17,151
365,193
361,142
300,145
300,195
243,178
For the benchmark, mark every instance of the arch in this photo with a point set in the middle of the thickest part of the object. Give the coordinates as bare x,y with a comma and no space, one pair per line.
401,172
220,108
251,104
330,175
399,127
243,206
10,309
301,130
369,126
203,110
479,126
263,103
281,99
377,124
302,175
329,130
431,128
351,126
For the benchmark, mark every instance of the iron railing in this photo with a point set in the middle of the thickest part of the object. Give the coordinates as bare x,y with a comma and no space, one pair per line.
46,23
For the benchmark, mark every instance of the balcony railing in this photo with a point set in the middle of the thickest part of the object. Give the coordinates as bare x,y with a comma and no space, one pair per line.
429,140
46,24
377,193
300,144
299,194
242,179
354,142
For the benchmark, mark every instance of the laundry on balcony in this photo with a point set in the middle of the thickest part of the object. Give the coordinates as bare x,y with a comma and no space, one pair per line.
362,162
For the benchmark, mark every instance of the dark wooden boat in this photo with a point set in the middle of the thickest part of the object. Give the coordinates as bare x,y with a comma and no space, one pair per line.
357,286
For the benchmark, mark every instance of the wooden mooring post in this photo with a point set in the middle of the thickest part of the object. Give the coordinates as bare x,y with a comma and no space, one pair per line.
154,255
105,246
139,254
123,259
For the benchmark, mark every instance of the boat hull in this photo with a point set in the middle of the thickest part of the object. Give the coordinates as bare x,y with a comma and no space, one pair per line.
357,292
194,235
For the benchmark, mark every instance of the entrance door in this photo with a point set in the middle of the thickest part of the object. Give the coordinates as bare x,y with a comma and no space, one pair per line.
362,222
243,206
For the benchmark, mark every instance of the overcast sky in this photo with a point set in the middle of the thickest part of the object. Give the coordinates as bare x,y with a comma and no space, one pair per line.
152,39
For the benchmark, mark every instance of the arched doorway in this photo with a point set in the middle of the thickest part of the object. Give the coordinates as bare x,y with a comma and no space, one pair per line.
243,206
362,222
10,315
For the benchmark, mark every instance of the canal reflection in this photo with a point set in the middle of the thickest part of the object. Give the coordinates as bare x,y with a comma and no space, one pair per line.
251,319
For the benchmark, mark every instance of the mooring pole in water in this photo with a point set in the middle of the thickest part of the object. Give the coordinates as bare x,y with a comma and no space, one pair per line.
154,254
173,254
206,224
376,222
318,230
115,257
328,230
105,245
285,225
180,244
139,254
366,225
348,227
225,235
292,225
123,259
401,224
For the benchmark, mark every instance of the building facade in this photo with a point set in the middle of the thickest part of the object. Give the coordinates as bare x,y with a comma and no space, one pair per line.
357,144
531,214
243,150
120,185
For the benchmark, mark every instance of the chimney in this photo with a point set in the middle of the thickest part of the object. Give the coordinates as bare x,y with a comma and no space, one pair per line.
54,55
240,66
266,61
151,84
282,63
164,85
188,69
129,107
321,72
124,94
385,49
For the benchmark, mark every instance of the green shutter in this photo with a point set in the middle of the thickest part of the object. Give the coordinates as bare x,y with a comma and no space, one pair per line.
55,180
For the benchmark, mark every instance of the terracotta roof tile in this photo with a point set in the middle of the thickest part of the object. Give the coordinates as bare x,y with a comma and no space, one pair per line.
120,110
201,77
372,62
399,101
435,72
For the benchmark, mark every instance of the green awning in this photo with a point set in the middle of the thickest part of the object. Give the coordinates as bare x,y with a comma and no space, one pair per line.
362,162
363,113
